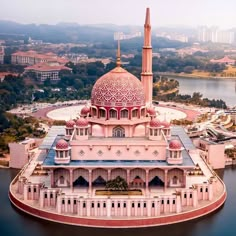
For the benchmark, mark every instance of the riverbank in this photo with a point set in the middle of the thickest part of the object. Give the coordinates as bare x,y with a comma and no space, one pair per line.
4,161
193,76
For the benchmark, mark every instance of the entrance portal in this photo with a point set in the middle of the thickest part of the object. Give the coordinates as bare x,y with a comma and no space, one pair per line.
80,182
99,182
156,182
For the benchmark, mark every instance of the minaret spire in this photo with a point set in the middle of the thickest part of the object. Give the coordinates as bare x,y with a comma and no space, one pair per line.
118,61
147,19
146,75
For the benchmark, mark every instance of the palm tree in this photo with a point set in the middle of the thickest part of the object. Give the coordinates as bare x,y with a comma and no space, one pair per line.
118,184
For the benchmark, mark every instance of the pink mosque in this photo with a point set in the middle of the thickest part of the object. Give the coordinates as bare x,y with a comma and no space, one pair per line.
118,134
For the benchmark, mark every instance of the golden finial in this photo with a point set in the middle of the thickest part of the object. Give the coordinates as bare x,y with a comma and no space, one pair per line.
118,61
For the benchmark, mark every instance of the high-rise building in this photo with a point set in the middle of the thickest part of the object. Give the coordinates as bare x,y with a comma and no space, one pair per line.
2,54
213,34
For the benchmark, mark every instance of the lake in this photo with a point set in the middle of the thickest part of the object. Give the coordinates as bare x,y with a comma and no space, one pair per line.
224,89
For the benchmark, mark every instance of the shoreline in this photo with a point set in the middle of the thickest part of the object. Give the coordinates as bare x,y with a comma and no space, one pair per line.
193,76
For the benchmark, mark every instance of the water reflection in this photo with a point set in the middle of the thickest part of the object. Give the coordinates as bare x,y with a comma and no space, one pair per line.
224,89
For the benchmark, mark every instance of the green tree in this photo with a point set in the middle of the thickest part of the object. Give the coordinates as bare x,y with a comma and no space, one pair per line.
118,184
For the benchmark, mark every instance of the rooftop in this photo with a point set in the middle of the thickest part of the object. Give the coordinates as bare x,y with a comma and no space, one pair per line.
57,132
47,67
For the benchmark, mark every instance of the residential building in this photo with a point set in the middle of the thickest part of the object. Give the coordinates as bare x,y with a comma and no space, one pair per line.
43,71
32,57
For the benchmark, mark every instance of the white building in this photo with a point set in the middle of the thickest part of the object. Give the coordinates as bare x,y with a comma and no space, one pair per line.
123,36
2,54
213,34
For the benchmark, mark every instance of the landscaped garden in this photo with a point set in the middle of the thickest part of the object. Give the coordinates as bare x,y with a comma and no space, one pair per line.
118,186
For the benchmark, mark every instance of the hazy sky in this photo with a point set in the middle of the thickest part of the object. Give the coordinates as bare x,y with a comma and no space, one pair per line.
121,12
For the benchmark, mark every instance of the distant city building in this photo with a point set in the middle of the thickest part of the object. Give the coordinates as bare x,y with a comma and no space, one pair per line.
213,34
190,51
32,57
44,71
168,50
34,41
156,54
127,56
225,60
123,36
2,54
104,61
225,37
2,42
76,57
173,36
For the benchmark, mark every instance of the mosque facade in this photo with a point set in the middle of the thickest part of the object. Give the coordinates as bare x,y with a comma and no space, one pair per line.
118,165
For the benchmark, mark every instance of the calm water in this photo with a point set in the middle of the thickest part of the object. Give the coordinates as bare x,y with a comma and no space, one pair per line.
224,89
221,223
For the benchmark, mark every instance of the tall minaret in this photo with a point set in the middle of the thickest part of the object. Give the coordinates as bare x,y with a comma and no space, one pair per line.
146,75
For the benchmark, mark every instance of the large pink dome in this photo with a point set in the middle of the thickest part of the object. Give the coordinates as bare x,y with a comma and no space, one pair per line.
118,88
62,144
175,144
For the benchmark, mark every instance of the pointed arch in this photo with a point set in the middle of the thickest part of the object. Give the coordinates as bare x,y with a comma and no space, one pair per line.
124,114
113,114
118,132
61,177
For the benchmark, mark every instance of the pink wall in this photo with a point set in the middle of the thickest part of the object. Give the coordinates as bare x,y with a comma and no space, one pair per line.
18,155
119,223
110,150
216,156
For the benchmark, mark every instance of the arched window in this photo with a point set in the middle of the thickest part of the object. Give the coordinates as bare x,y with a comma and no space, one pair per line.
61,154
151,132
124,114
175,154
143,112
61,180
113,113
175,180
102,113
135,113
118,132
155,132
94,111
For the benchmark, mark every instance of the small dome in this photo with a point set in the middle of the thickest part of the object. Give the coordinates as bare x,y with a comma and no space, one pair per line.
70,124
166,124
62,144
84,111
151,111
155,123
81,122
175,144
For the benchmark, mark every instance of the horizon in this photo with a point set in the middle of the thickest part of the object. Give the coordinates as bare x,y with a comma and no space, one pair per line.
163,13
